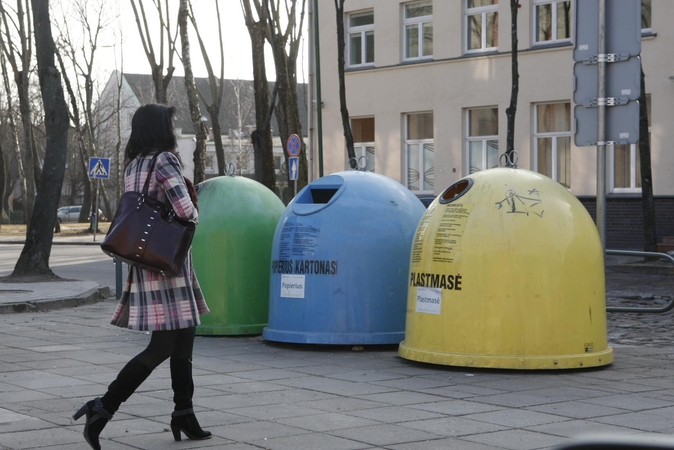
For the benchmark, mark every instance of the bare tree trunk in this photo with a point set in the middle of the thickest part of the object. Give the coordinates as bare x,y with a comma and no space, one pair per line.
193,98
13,127
22,28
346,123
647,200
285,45
161,81
512,109
217,89
34,259
3,182
263,146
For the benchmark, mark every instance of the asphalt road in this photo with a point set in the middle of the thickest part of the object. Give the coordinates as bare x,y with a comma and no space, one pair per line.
76,262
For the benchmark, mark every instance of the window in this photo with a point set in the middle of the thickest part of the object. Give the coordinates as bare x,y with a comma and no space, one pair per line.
419,151
210,163
552,141
481,25
482,145
646,16
360,31
418,30
363,141
626,164
626,175
552,21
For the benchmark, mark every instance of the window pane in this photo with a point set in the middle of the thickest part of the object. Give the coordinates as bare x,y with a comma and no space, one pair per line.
369,47
475,32
545,156
475,156
420,126
412,47
492,154
357,20
543,23
429,159
492,29
564,161
363,129
428,38
483,122
419,9
355,52
369,154
413,167
621,171
553,117
478,3
645,14
563,20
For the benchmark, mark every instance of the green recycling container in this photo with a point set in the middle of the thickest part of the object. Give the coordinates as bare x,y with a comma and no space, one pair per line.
231,251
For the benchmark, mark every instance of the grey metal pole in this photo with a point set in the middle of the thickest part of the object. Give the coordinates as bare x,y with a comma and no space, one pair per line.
118,278
601,122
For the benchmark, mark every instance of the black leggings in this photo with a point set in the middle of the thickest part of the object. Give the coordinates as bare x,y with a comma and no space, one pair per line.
175,344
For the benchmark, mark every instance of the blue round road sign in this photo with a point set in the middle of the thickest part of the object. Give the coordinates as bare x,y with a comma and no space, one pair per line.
293,145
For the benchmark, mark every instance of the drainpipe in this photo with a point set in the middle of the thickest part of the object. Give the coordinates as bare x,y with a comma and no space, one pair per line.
319,102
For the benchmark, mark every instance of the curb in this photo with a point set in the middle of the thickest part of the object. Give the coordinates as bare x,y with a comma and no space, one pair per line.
53,242
89,297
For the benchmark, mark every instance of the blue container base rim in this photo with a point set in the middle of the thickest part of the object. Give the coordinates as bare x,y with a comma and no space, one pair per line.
332,338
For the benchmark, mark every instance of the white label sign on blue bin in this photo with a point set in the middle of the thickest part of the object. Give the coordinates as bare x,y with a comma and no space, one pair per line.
292,286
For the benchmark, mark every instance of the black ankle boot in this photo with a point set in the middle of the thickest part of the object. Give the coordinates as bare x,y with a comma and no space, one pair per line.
186,422
97,418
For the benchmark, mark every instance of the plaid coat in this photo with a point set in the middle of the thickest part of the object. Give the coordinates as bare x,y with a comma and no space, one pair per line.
151,301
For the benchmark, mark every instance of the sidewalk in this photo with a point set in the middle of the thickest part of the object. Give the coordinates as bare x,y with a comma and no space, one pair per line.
256,394
22,297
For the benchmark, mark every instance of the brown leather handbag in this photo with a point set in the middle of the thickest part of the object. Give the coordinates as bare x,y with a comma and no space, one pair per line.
146,233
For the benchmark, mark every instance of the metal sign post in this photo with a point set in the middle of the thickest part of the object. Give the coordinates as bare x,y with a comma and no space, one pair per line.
606,82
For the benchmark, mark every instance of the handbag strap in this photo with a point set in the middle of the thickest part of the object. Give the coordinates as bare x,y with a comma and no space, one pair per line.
150,169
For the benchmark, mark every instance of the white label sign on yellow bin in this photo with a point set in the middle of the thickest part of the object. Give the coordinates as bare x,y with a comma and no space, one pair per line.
292,286
429,300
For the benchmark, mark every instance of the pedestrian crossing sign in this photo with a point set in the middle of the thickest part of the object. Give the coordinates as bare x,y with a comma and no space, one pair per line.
99,168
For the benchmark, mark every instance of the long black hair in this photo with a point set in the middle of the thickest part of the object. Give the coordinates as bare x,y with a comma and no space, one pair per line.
151,131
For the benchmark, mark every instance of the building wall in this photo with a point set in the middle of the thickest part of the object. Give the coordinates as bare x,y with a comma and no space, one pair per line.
452,82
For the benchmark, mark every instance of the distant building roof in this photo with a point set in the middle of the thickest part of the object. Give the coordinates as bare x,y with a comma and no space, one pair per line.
143,88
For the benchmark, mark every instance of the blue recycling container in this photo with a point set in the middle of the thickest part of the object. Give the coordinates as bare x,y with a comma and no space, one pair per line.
340,261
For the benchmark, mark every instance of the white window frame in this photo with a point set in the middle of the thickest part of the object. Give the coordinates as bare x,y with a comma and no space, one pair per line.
419,143
363,30
483,11
647,31
485,143
633,171
534,17
554,135
419,22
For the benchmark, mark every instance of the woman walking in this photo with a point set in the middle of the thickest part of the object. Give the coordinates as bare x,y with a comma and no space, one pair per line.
169,307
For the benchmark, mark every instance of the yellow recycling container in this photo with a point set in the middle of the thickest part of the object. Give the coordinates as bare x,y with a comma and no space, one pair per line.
507,271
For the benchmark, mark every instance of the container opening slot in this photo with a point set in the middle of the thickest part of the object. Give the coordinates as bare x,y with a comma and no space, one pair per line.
456,190
322,195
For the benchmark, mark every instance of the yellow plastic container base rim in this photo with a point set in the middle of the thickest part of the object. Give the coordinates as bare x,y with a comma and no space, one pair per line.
537,362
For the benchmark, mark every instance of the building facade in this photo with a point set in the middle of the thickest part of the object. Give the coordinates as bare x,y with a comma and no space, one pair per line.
428,83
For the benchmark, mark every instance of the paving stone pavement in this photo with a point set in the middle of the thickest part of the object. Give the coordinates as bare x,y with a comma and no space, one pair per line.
255,394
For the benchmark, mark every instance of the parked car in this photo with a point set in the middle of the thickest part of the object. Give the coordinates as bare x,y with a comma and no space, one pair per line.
69,214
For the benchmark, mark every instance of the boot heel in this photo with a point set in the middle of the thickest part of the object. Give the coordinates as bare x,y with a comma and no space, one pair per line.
176,433
81,412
